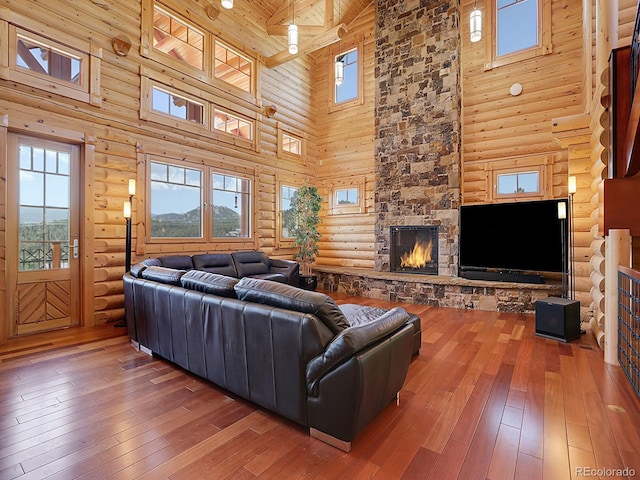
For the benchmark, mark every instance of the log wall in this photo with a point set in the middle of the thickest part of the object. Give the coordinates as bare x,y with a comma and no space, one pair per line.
122,140
345,139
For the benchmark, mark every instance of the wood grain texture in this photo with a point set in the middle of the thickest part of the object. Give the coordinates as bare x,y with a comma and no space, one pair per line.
83,403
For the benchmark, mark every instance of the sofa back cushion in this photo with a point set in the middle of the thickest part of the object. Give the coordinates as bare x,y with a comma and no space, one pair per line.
137,269
206,282
250,263
292,298
170,276
220,263
179,262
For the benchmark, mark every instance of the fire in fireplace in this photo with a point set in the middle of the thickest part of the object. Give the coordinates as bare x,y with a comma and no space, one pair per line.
414,249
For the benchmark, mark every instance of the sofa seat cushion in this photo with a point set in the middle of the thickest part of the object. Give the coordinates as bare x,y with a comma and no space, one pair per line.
293,298
274,277
170,276
206,282
360,314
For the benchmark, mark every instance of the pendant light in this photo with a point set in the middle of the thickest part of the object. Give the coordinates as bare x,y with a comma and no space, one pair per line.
475,23
339,65
228,4
293,33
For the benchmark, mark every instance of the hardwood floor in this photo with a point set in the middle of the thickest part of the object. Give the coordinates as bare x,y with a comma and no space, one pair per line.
485,398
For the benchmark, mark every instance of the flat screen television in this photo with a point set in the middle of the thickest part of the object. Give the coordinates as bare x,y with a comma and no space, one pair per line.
513,237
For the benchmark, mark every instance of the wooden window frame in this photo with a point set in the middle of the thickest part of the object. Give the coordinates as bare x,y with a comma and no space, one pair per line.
543,164
211,102
205,75
544,47
149,238
248,215
298,135
333,52
337,209
13,25
207,240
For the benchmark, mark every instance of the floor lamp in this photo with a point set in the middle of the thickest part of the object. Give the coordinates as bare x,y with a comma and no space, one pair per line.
562,216
126,213
572,275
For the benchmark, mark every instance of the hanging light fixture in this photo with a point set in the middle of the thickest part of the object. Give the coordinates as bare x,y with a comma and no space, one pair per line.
228,4
339,65
475,23
293,32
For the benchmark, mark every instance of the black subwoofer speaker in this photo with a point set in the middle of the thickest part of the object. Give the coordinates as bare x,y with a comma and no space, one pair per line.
558,318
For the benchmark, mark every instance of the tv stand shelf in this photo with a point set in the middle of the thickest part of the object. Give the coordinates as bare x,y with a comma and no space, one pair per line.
497,276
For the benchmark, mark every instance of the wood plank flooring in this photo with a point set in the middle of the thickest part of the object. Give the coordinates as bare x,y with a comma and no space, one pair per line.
485,399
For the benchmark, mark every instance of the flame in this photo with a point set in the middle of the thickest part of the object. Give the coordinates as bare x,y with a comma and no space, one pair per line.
418,257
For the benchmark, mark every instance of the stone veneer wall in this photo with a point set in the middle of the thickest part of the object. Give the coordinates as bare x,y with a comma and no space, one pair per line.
418,104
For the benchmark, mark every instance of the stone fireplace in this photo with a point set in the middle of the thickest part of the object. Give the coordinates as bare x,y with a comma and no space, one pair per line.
417,156
414,249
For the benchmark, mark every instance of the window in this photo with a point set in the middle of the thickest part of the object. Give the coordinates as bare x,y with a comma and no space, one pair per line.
175,202
231,206
349,88
521,30
197,203
182,106
44,60
291,144
347,199
518,183
286,194
47,64
179,43
233,68
516,25
177,106
232,124
177,39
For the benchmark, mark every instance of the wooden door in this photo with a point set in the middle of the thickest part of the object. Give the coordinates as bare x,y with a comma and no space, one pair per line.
43,234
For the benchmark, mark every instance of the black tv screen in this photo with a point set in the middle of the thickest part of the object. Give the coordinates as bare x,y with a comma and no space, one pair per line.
518,236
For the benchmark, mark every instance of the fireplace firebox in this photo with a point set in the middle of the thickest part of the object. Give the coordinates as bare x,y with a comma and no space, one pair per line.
414,249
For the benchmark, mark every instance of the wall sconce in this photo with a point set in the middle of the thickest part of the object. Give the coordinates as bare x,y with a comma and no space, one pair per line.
228,4
126,213
121,45
475,23
212,12
270,110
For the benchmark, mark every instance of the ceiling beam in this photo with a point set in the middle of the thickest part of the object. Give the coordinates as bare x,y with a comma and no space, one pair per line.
329,21
284,12
329,37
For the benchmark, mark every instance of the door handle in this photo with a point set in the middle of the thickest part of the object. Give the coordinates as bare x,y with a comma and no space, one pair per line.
75,248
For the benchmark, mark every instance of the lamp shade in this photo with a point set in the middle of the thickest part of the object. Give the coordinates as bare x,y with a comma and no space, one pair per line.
572,187
228,4
293,39
475,25
126,210
132,187
562,210
339,72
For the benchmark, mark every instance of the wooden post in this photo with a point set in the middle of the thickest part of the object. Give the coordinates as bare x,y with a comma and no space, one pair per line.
618,252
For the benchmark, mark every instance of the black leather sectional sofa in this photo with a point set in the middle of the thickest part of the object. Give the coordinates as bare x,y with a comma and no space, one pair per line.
295,352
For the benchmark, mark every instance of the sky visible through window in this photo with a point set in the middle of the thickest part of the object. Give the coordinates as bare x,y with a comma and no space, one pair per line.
349,88
517,25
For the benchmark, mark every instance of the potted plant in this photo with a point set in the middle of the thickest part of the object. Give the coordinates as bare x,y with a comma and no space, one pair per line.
305,206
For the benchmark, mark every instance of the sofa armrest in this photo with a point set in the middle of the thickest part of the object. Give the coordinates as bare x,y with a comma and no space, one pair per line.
352,340
352,393
288,268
